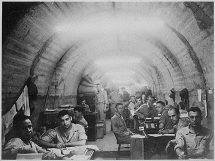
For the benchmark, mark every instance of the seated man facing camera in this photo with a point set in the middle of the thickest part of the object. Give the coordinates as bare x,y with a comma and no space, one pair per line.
66,135
79,118
122,133
194,141
22,142
179,123
165,123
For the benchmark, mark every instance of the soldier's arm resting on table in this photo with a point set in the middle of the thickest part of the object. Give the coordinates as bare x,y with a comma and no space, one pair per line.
180,144
47,138
46,144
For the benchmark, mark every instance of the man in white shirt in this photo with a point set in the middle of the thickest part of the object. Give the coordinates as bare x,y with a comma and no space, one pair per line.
131,105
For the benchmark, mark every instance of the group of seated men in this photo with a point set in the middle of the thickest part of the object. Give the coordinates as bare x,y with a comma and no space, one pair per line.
192,140
151,108
66,135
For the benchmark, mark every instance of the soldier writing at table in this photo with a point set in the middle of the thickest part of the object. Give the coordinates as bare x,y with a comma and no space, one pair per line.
22,143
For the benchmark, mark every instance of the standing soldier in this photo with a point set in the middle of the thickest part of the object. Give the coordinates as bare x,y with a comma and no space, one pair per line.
114,98
101,103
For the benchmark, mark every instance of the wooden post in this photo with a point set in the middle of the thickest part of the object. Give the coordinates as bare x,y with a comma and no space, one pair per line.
137,147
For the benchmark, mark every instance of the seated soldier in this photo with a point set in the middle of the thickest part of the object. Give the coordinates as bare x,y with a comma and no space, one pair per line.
165,122
79,118
194,141
145,111
22,142
131,105
86,107
178,122
174,115
126,114
138,103
38,134
66,135
122,133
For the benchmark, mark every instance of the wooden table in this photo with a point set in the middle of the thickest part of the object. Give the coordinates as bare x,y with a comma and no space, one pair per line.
147,147
137,147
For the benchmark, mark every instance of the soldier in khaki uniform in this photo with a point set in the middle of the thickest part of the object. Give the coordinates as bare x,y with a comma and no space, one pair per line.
114,98
101,103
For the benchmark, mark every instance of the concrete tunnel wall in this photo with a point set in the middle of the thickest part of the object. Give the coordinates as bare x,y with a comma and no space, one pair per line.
178,56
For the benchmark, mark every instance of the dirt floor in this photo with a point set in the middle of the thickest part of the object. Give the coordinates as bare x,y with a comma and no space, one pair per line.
108,146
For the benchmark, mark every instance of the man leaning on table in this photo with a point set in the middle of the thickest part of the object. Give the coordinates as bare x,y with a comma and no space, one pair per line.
65,135
194,141
22,144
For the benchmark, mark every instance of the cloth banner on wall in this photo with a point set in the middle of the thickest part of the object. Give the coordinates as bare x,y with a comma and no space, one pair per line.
7,122
7,119
23,102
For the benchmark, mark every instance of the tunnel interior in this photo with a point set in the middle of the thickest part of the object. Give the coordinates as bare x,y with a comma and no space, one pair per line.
64,47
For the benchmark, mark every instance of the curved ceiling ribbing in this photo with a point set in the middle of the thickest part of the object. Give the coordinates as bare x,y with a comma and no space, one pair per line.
61,57
132,49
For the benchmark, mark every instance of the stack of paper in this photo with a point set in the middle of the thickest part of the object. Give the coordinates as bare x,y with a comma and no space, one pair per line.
78,150
160,135
137,136
93,147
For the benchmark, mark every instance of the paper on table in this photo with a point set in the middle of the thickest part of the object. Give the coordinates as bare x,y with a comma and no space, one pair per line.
159,135
94,147
80,157
84,147
137,136
77,148
55,150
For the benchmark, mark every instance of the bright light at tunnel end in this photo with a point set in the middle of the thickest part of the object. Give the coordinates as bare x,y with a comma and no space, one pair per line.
97,25
120,72
117,61
121,81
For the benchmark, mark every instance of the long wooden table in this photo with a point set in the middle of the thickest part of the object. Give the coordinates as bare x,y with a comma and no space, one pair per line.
72,153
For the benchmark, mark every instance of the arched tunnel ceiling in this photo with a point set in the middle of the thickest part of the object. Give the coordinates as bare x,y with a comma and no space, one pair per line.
61,41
